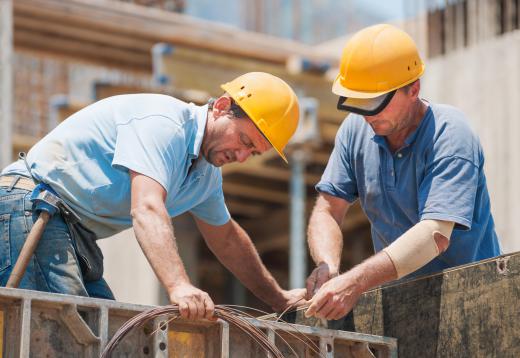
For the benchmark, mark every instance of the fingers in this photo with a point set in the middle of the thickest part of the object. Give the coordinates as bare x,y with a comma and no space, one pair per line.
193,309
311,284
209,309
339,312
201,309
329,306
322,277
299,297
184,309
317,302
341,309
318,277
193,303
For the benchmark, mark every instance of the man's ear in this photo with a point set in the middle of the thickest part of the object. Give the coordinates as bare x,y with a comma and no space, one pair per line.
414,89
221,106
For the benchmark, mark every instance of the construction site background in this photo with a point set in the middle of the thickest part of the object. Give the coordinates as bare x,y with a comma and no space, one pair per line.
60,64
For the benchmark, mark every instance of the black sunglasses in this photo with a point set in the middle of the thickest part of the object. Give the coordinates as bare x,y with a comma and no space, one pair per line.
365,111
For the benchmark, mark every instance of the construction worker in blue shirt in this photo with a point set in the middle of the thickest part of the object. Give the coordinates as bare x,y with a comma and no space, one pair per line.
416,168
139,160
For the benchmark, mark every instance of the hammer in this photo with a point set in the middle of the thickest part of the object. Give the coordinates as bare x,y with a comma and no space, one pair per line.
52,203
28,249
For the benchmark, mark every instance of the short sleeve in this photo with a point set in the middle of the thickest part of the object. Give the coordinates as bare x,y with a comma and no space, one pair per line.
148,146
448,191
338,179
213,210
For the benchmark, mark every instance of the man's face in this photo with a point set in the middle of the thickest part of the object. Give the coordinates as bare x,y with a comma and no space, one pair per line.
396,114
230,139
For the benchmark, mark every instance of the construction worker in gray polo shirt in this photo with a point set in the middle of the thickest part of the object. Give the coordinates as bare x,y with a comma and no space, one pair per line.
416,168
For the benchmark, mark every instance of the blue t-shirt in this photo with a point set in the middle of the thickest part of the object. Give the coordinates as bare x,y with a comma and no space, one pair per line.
87,159
437,174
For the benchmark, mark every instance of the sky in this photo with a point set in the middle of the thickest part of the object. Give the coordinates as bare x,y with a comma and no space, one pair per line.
389,9
340,16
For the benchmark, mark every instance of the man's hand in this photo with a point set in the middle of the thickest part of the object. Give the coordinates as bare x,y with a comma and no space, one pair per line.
292,298
335,298
318,277
193,303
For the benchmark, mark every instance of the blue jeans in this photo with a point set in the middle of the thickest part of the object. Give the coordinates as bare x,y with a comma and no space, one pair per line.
54,266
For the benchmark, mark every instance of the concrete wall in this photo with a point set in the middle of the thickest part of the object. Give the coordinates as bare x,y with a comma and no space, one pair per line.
128,272
484,82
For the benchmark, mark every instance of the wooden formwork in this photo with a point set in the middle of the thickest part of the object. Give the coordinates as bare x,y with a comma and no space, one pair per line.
467,311
37,324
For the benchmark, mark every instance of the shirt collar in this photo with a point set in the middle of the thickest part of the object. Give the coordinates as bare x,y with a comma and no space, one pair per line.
411,138
199,114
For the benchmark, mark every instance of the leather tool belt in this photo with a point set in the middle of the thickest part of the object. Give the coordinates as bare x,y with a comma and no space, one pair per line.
17,182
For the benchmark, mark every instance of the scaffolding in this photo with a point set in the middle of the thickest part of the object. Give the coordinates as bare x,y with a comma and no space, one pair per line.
56,325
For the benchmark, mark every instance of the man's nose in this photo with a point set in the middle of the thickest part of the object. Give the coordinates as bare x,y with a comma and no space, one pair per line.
242,155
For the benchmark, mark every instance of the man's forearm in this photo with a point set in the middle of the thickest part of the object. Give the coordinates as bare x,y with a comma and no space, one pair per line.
325,239
238,254
374,271
155,235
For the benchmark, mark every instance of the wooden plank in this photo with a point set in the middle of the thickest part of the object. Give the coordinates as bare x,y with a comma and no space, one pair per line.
262,194
140,22
42,26
267,173
83,51
468,311
247,209
186,68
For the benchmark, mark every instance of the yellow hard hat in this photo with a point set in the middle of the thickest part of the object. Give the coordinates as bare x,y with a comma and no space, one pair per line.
270,103
377,60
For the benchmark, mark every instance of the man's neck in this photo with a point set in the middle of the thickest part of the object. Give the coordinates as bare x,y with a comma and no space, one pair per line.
396,141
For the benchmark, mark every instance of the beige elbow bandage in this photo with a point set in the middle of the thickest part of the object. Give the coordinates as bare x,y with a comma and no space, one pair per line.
416,247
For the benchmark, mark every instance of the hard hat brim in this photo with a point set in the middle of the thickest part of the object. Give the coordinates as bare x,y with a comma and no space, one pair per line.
338,89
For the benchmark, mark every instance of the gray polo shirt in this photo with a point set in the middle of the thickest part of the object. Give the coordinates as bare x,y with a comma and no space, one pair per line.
437,174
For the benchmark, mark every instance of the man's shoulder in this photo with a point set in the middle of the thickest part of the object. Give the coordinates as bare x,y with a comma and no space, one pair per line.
451,116
453,134
151,103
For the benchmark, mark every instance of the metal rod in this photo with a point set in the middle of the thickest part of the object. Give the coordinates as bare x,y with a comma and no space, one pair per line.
297,252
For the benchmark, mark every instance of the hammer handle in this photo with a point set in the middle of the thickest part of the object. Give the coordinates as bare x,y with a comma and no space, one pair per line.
28,250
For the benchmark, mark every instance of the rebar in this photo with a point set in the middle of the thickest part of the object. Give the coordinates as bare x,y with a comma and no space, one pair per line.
227,314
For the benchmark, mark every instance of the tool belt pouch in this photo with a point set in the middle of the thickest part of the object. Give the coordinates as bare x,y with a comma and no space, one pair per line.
89,254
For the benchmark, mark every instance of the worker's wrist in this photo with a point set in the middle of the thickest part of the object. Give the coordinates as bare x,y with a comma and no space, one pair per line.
333,267
282,302
178,282
359,279
278,301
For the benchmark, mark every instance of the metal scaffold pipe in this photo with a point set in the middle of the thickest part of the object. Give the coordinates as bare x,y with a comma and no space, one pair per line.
306,137
6,81
297,252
